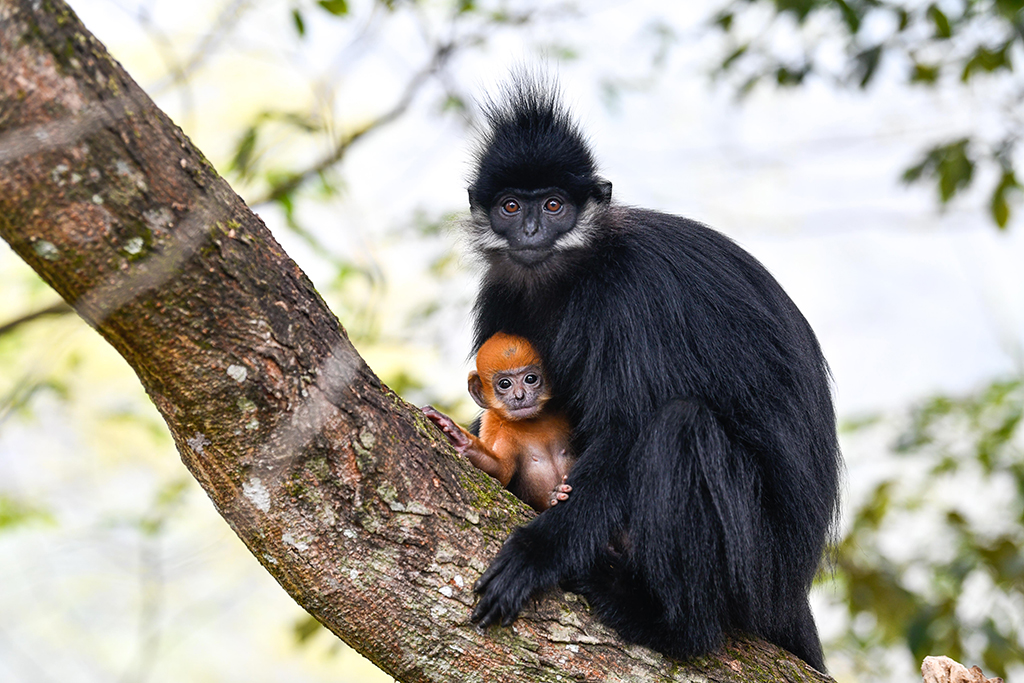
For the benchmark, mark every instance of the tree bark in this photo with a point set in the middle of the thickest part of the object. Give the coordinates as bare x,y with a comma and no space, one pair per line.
342,491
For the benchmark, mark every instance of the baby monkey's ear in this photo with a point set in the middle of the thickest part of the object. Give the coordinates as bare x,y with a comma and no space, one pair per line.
476,390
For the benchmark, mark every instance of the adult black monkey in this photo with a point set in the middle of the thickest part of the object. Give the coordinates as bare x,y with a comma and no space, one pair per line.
708,472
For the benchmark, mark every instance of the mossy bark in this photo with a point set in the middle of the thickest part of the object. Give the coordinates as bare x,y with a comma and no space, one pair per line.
342,491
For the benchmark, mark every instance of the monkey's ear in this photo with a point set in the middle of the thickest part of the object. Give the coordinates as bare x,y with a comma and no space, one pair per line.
476,390
602,190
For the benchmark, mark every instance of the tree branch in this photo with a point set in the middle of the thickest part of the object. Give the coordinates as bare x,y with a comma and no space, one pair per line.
343,492
59,308
334,156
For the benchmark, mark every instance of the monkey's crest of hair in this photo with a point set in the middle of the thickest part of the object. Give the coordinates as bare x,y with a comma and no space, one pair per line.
532,143
504,352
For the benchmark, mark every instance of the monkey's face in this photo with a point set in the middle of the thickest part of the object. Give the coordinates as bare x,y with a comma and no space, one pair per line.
532,221
520,393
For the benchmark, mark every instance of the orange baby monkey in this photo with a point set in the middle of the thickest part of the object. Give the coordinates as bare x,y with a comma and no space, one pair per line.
521,444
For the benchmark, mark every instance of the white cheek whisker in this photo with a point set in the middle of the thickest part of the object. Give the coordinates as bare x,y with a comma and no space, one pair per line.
585,230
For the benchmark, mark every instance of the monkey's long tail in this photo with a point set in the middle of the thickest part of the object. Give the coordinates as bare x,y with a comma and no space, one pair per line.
691,524
701,542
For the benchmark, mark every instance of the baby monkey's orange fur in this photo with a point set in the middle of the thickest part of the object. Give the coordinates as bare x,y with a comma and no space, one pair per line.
521,444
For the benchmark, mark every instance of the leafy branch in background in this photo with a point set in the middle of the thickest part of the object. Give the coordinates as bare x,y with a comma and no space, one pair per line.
468,26
969,43
451,30
180,71
932,562
934,558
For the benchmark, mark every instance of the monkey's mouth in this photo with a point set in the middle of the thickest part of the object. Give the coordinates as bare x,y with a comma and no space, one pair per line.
529,257
523,413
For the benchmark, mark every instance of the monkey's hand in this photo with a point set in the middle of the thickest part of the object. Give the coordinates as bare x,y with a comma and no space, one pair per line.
447,425
510,581
561,492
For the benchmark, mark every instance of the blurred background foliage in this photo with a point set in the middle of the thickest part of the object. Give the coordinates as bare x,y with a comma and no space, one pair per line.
969,42
930,561
959,589
113,565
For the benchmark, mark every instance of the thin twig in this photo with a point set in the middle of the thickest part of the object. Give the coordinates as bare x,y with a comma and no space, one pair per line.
286,187
208,44
59,308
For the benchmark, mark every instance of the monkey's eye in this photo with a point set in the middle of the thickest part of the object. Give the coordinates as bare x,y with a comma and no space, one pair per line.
505,383
510,206
553,204
531,379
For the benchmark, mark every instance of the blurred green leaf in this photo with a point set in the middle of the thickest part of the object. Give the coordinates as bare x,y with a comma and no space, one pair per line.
851,16
943,29
304,628
876,589
867,64
950,165
297,21
800,8
1000,201
955,170
241,160
858,422
338,8
1004,561
992,441
790,77
924,73
166,502
734,55
870,515
724,20
902,19
748,86
922,418
15,513
561,52
1011,9
402,382
454,103
303,122
985,60
999,649
172,494
287,205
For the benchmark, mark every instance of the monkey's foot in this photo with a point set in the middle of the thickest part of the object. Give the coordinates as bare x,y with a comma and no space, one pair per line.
560,493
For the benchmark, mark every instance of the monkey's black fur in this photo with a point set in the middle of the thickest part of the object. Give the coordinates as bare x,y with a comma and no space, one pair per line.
533,145
708,472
